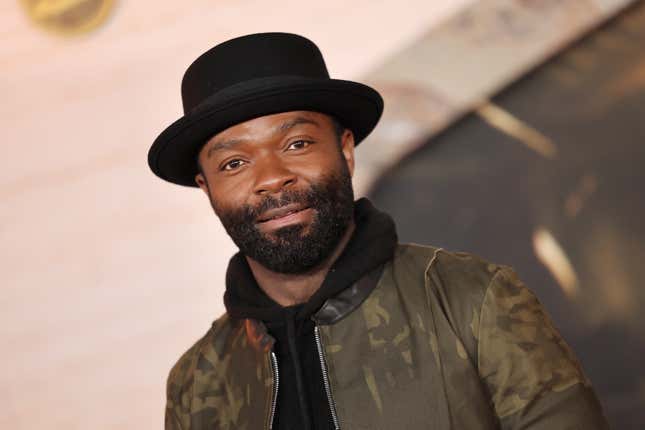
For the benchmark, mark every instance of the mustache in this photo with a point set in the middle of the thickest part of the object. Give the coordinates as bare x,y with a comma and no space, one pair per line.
251,213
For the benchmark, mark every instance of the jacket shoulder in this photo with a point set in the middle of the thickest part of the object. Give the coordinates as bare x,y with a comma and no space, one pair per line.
462,270
181,378
529,372
455,285
185,365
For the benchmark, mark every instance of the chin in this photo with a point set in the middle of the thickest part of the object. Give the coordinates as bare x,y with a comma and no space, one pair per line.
290,232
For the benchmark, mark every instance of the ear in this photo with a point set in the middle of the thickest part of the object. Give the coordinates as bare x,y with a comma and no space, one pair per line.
347,148
202,182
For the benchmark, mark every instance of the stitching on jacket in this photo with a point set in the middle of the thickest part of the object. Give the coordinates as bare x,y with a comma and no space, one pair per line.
479,322
434,323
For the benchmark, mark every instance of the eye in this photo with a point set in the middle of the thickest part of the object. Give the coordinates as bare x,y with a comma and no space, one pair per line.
298,144
233,164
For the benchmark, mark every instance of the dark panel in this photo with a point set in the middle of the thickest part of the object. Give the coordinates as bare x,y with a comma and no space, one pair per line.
476,188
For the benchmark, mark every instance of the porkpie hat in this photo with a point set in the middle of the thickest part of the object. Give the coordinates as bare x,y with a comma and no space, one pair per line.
252,76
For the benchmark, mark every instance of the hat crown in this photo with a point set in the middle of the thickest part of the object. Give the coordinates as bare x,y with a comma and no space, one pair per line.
250,57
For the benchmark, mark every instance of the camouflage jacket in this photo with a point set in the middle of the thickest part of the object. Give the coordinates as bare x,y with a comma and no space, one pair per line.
433,340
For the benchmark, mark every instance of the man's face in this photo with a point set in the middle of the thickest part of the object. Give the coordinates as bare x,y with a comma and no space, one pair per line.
281,185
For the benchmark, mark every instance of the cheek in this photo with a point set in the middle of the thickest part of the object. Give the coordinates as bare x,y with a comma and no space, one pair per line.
328,164
228,195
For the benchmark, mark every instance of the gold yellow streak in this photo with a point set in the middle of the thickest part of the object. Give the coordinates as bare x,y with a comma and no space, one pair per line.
550,253
47,9
514,127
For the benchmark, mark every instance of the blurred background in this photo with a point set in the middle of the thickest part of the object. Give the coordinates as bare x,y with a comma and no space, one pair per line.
512,129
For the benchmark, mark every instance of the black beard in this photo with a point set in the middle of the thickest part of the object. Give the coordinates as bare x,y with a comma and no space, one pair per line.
290,249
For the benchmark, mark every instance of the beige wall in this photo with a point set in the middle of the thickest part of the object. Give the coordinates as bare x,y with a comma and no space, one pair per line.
107,273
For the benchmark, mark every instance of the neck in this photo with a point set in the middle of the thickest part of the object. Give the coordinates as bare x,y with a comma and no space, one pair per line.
292,289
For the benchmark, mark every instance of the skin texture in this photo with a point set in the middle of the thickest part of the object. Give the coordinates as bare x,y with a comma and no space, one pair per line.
267,156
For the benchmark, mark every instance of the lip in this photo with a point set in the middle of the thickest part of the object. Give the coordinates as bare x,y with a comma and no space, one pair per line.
275,219
281,212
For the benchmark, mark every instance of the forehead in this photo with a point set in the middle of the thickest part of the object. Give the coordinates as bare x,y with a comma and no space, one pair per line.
258,128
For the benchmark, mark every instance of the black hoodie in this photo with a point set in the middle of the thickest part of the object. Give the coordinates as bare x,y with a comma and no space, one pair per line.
302,401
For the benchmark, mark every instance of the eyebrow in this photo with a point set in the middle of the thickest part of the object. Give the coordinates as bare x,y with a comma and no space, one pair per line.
294,122
221,145
287,125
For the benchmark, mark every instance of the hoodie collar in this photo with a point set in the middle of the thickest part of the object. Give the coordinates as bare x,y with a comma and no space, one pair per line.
372,244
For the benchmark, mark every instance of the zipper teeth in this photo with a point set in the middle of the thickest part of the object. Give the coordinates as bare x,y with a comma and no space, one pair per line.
276,383
323,366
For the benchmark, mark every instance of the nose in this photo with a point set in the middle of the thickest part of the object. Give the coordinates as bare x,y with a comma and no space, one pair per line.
272,176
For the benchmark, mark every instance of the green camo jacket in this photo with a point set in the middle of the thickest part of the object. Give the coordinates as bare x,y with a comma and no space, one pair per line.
439,340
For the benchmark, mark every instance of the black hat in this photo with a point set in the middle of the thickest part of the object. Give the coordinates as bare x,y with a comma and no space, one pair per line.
249,77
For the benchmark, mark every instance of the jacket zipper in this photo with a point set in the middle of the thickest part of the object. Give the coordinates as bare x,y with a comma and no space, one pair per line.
276,383
323,366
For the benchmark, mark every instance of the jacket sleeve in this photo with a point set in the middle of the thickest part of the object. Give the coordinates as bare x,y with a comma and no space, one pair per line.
534,380
172,421
178,391
175,414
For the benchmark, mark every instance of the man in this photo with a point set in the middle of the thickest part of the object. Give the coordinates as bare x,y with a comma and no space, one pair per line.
330,323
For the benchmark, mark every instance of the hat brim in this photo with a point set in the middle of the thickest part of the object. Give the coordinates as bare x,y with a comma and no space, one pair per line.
173,155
